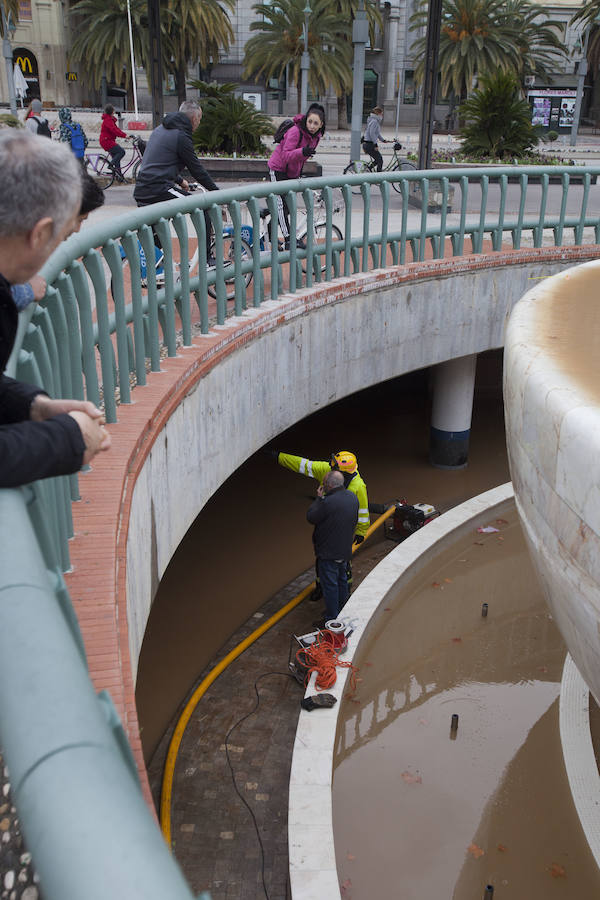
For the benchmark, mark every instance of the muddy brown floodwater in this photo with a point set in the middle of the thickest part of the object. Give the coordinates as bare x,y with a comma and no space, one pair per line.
422,811
252,537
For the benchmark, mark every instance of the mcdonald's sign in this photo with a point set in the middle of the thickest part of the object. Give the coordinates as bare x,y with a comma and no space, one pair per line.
25,64
71,76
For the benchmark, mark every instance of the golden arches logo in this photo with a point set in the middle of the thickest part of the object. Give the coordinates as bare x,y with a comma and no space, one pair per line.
25,64
71,76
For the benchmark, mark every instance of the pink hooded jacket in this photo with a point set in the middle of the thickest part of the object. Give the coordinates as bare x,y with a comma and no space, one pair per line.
287,156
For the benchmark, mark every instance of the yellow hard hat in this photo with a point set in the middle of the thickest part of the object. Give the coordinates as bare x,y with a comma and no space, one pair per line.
344,461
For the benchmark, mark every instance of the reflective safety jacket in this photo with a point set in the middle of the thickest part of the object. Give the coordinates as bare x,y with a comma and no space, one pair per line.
318,469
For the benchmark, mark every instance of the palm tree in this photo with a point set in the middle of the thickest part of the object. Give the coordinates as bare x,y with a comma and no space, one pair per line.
475,39
484,37
279,45
540,48
12,7
102,42
197,30
498,119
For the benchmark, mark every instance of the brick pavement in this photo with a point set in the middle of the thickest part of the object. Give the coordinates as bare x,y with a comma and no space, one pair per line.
214,838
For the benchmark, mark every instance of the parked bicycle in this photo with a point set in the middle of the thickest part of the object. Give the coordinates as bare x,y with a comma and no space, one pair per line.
395,163
247,243
100,167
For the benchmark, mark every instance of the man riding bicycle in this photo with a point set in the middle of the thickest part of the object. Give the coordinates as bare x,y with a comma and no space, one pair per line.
170,150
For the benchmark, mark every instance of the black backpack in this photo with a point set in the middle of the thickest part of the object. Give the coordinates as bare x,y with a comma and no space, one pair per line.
282,128
43,127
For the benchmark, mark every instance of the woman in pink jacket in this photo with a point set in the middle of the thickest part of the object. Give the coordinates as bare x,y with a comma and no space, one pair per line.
287,160
109,131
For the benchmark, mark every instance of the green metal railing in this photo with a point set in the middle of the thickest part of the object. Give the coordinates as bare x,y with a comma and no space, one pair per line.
98,331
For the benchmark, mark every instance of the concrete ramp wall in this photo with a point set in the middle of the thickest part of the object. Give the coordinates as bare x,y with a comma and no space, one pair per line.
552,403
260,373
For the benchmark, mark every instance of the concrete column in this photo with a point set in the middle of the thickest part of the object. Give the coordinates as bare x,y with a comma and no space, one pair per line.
453,386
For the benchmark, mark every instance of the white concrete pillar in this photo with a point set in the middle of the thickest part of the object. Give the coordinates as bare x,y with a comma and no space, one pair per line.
453,386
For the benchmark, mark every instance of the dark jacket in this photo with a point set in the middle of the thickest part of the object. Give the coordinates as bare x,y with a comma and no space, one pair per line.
29,450
334,517
170,150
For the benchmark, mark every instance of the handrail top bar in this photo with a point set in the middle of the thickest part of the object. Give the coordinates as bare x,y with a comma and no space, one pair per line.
81,243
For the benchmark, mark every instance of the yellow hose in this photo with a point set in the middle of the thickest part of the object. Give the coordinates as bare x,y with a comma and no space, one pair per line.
169,770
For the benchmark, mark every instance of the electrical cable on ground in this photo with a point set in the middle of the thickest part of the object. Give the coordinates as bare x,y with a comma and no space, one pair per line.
192,703
235,787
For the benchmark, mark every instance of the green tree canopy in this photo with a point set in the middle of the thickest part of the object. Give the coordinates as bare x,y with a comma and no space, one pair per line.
190,30
497,119
279,44
483,37
12,7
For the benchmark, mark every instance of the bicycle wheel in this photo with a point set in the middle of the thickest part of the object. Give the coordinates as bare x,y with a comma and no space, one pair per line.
228,254
357,168
404,166
135,171
319,241
103,172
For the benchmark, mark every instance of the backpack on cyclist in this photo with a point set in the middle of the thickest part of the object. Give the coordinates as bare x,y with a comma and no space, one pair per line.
77,138
42,127
282,128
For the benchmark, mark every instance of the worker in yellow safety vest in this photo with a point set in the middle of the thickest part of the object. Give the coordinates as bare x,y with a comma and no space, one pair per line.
347,464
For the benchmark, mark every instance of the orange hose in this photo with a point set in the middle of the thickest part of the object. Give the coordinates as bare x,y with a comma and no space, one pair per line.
322,658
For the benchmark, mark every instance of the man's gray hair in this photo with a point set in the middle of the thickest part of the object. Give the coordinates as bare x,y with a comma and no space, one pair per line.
38,178
190,108
333,479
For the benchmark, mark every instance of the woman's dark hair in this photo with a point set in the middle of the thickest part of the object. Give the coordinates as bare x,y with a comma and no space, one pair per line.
92,196
320,111
109,109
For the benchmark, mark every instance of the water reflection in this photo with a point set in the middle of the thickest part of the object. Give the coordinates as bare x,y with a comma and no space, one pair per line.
418,814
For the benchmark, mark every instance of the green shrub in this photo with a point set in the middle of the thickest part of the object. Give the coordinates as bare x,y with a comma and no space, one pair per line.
551,136
7,120
229,124
498,120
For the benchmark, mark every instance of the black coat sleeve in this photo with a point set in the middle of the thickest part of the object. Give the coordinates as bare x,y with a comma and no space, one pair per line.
191,162
33,450
15,399
316,511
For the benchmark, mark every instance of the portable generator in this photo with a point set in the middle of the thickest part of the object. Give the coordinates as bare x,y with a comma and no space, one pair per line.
409,518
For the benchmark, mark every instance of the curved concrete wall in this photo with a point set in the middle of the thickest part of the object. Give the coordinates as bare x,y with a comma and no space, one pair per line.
287,359
552,403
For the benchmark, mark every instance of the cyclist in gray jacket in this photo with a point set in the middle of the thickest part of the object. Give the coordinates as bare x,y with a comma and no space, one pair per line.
373,135
170,150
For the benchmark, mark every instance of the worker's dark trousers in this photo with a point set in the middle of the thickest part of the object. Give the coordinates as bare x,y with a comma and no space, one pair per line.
334,584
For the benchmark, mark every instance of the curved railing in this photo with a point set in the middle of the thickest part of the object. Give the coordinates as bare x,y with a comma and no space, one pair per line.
97,332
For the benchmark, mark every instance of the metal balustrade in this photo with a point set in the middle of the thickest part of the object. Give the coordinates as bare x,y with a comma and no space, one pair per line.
98,330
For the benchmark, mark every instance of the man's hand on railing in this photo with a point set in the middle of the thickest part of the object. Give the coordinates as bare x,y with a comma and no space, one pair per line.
89,418
95,435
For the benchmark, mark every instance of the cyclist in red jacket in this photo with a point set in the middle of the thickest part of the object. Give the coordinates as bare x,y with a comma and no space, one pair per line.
108,134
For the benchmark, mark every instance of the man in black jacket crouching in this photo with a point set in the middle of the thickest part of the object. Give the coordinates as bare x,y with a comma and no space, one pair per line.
334,514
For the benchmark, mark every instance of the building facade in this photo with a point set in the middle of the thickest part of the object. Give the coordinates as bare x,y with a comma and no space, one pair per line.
42,38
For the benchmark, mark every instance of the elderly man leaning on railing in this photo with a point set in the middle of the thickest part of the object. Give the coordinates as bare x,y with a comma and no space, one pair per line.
40,186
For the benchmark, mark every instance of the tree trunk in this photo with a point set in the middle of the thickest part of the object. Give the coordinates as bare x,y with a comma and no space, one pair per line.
181,79
342,105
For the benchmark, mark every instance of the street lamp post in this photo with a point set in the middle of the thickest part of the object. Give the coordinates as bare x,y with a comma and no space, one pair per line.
8,60
305,60
360,37
581,73
429,82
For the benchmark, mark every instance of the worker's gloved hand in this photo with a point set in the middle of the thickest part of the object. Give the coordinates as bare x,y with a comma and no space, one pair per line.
359,538
308,151
272,454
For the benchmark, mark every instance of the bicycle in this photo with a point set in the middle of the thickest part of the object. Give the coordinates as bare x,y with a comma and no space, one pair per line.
103,170
319,226
246,244
396,163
